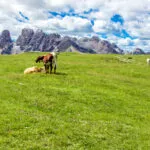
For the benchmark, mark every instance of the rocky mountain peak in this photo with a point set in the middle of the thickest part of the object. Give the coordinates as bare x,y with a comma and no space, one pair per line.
138,51
25,37
95,38
30,40
5,42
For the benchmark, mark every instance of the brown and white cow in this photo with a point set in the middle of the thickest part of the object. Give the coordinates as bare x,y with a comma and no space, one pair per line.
49,60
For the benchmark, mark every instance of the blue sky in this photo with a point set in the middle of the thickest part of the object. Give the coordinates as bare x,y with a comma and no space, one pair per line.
117,18
125,22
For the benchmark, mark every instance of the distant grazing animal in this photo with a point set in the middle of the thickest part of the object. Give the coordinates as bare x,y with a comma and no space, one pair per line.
33,69
148,61
49,60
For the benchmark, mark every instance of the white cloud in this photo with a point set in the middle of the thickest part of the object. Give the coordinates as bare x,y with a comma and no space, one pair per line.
67,24
100,26
135,14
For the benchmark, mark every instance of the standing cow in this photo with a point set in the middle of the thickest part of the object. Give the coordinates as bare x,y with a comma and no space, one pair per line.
49,60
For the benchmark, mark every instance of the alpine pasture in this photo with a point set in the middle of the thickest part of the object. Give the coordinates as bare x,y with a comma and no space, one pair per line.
93,102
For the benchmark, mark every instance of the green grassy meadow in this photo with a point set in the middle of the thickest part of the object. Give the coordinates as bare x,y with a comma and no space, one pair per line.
94,102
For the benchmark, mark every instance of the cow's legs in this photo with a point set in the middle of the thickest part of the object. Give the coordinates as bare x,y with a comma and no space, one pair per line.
51,67
55,68
46,68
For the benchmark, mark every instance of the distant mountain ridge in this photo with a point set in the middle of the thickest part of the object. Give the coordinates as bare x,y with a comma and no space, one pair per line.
39,41
30,40
138,51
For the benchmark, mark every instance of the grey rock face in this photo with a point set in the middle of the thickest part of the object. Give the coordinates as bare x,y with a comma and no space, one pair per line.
49,42
89,43
36,40
99,46
138,51
66,43
106,48
5,42
5,38
71,45
24,39
40,41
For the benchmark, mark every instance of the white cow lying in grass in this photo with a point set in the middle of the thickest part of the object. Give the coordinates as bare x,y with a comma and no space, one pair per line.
148,61
33,69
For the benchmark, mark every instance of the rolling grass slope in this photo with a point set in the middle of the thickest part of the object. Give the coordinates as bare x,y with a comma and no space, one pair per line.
94,102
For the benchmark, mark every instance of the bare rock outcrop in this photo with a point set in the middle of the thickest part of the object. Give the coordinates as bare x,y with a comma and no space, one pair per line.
138,51
6,43
25,38
99,46
31,40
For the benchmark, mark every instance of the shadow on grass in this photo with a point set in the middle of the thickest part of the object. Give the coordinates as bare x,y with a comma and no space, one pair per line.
61,73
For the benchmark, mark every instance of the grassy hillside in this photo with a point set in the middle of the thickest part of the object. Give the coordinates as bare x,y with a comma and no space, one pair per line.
94,102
